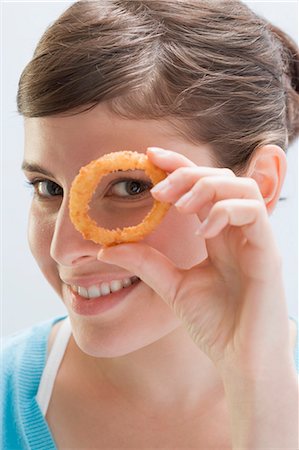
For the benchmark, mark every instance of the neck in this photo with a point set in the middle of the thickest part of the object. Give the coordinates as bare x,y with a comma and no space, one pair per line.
171,371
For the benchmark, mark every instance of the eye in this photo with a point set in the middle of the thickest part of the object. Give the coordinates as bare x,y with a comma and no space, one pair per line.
46,188
130,188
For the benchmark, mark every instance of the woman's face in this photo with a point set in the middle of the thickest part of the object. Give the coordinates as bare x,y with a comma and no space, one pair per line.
55,150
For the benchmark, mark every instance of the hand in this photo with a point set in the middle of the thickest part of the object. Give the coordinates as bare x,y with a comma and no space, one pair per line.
233,303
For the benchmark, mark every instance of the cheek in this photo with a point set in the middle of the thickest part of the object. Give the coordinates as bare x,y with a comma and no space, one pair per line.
40,232
175,237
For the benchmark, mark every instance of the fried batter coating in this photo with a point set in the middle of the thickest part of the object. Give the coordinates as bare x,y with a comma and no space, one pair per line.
84,186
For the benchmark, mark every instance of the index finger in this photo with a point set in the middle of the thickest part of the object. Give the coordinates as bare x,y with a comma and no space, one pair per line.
167,159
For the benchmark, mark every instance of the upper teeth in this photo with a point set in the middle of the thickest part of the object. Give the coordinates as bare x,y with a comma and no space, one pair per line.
104,288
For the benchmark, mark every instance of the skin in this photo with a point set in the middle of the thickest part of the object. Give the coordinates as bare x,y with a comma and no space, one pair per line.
211,307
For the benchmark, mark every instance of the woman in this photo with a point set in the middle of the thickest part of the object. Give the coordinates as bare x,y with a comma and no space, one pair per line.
181,340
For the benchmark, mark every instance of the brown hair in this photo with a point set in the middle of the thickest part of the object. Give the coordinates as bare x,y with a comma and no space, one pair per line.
224,75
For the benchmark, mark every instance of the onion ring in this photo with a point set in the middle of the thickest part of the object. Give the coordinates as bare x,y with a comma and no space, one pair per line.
85,183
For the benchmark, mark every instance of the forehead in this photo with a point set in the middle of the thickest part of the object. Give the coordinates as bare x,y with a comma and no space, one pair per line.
75,140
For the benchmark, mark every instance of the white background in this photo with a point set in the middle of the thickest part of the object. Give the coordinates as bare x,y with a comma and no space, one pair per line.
26,298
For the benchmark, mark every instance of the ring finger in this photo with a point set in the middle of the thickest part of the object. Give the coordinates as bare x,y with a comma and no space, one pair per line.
206,191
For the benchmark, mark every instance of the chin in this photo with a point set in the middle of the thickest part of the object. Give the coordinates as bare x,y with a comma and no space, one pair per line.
101,342
106,348
102,351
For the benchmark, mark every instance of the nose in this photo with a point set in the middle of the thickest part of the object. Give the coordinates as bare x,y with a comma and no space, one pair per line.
68,247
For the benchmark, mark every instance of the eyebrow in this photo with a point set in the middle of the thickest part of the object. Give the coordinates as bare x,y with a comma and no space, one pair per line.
32,167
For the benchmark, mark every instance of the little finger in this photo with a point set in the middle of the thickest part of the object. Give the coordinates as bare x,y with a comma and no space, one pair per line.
250,214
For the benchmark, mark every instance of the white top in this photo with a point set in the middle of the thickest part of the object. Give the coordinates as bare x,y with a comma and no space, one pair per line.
52,365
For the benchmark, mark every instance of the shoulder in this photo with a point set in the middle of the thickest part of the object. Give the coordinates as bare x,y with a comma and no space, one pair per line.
23,357
26,349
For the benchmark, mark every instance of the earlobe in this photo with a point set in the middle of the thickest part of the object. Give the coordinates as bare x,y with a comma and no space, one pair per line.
268,168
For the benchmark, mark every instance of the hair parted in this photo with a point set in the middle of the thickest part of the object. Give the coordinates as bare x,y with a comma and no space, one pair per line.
221,74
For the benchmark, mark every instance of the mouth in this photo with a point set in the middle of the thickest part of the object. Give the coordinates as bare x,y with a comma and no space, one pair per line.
103,289
100,298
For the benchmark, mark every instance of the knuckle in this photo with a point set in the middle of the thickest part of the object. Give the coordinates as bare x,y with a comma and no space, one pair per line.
204,183
175,289
204,186
259,209
228,172
181,171
251,182
179,174
219,207
259,206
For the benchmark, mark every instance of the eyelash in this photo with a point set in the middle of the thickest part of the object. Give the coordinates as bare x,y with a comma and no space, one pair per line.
35,185
146,186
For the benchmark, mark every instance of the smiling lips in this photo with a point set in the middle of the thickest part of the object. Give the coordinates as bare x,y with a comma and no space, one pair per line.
105,288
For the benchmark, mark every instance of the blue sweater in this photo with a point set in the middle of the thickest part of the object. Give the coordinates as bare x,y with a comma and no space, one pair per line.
23,360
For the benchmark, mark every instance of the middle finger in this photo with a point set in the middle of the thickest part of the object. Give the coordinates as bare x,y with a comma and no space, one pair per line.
206,191
183,180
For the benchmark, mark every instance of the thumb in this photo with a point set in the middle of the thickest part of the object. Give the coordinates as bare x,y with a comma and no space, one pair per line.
147,263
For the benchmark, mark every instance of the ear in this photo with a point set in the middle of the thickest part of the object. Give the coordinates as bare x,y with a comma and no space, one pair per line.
268,168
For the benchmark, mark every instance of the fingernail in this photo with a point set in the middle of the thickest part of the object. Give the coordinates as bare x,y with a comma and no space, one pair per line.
157,150
164,185
183,201
100,254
